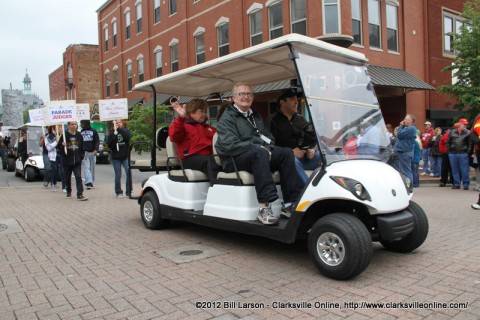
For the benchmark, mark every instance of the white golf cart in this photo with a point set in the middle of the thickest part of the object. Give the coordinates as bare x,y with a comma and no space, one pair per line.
352,199
32,166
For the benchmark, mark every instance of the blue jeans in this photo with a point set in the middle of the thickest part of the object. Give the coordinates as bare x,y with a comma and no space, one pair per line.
416,177
117,167
459,164
306,164
426,160
436,166
60,169
47,168
53,175
405,164
88,164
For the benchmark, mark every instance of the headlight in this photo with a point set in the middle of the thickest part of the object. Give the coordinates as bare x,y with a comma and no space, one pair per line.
355,187
33,162
407,183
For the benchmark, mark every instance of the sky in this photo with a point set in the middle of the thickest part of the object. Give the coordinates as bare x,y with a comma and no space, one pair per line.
34,34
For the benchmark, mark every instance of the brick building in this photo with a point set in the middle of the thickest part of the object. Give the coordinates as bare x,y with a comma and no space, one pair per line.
140,40
78,78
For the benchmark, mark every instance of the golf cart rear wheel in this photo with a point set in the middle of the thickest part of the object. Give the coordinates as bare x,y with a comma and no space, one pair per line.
415,238
340,246
150,212
29,174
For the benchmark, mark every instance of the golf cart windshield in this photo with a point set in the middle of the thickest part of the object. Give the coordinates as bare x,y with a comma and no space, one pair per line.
343,109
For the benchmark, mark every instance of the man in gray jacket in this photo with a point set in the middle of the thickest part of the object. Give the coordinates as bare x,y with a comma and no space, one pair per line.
243,135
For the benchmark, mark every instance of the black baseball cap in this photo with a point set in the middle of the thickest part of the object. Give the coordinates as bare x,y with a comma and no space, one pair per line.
287,93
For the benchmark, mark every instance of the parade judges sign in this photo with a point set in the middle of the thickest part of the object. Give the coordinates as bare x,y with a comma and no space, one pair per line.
60,112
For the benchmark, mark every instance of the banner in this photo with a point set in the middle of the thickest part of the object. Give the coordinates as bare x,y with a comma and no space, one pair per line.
113,109
36,116
60,112
83,111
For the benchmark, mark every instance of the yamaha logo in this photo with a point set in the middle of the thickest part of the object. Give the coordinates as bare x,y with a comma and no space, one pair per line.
394,193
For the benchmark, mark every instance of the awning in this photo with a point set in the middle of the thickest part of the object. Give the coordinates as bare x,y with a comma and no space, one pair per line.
396,78
133,102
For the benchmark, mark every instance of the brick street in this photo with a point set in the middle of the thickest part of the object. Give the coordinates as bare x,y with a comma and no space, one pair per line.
65,259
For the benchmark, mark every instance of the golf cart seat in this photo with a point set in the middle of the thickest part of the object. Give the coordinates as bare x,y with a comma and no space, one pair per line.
236,177
184,175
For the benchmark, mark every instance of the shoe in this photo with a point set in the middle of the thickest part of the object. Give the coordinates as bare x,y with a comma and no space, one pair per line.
465,188
432,175
119,196
69,194
64,190
82,198
265,215
442,184
45,184
89,186
54,188
476,206
286,213
423,174
456,187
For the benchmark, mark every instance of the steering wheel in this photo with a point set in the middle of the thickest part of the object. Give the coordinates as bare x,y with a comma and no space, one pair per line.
308,141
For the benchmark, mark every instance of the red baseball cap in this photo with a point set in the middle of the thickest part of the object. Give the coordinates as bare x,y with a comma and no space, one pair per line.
463,120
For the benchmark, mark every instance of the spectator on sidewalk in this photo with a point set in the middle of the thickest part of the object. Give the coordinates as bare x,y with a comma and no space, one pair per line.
91,142
435,154
425,136
404,146
458,145
446,176
417,156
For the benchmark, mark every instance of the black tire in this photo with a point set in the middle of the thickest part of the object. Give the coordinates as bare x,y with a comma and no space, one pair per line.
350,239
150,212
415,238
10,164
29,174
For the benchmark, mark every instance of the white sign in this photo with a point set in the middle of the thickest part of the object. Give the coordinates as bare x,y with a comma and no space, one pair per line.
113,109
61,111
36,116
83,111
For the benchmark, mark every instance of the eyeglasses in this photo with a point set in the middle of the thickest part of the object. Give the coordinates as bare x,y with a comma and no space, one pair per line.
245,94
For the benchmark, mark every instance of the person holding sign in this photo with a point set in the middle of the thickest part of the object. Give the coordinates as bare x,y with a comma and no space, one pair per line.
119,142
72,160
243,135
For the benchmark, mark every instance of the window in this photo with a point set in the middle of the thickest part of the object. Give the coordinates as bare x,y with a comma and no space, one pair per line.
158,62
140,69
256,33
223,46
357,22
451,25
200,47
129,76
331,16
127,25
392,28
374,23
173,6
114,27
139,17
105,37
156,11
174,56
107,84
115,81
275,20
298,16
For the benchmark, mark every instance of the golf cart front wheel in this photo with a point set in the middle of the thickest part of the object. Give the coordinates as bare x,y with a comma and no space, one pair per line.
150,212
340,246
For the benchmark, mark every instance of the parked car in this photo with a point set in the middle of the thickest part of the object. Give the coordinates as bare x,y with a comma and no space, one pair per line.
347,202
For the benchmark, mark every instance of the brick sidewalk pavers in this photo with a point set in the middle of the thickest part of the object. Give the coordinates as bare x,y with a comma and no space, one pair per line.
96,260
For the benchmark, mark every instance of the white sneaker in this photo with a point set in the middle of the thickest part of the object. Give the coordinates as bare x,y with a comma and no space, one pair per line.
423,174
64,190
432,175
476,206
265,215
119,196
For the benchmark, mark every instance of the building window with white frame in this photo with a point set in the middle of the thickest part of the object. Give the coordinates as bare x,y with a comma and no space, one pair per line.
357,22
223,44
256,32
127,25
156,11
174,56
158,62
200,47
275,20
107,84
114,37
374,25
298,16
392,27
451,25
139,16
140,69
115,81
331,13
105,38
173,6
129,76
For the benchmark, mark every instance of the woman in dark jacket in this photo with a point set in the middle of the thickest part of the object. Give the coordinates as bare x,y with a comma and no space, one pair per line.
435,153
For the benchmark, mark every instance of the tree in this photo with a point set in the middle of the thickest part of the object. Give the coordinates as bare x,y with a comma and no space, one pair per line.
466,66
141,121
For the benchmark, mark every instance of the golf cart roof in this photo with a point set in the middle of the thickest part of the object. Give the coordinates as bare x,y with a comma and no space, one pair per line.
264,63
24,127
